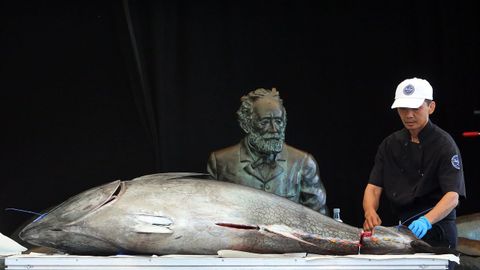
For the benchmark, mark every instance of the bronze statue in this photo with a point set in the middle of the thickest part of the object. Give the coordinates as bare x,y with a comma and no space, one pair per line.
262,159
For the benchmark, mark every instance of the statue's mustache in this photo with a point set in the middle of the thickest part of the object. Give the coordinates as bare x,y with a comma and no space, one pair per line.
269,136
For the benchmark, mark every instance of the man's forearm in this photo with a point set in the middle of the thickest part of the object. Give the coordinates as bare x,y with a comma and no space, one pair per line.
448,202
371,198
371,201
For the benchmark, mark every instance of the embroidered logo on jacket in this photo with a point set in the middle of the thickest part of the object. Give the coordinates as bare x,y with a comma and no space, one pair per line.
456,162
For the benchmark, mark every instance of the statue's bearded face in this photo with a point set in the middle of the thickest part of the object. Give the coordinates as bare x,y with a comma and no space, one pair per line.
268,126
266,143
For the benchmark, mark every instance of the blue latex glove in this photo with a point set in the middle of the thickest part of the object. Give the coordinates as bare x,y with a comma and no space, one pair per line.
420,226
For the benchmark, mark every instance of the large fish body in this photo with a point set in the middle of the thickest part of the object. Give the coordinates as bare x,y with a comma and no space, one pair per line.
177,213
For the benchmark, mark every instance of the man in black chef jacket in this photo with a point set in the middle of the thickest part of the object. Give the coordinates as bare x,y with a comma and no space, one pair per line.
419,170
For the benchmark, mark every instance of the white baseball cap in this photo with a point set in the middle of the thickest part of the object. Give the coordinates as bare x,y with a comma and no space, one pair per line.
411,93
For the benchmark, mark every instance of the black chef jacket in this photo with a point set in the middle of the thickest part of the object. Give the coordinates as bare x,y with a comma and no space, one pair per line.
414,177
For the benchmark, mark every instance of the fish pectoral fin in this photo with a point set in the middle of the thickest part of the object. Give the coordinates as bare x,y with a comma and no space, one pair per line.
144,228
149,223
154,219
286,231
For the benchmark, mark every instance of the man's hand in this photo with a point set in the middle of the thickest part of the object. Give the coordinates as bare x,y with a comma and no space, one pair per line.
371,220
420,226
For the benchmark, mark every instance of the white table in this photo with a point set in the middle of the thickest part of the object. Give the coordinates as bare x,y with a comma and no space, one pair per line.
237,261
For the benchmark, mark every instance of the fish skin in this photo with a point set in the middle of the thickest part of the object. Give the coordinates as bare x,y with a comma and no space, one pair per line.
178,213
391,240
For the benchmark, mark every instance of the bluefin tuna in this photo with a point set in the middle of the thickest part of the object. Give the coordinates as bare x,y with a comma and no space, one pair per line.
178,213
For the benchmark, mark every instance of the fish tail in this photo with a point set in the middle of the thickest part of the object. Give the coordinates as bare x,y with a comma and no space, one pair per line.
420,246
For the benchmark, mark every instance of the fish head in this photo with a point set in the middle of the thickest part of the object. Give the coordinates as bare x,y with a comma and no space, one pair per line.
65,238
62,226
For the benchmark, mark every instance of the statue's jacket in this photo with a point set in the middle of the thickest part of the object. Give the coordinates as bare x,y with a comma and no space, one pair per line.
293,175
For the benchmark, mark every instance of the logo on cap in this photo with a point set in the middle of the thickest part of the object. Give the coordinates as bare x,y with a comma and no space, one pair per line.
456,162
408,90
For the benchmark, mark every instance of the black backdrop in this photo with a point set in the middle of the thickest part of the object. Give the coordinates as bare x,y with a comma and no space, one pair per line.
93,91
